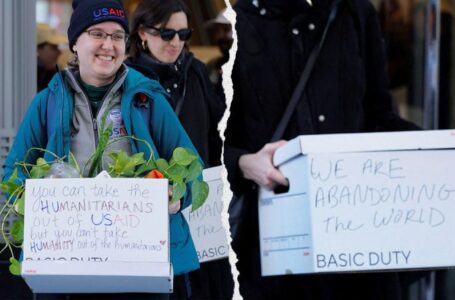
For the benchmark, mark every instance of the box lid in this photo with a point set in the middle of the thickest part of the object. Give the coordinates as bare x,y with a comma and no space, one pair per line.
361,142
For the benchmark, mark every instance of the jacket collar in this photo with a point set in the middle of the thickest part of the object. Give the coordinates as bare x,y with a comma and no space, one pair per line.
155,69
134,82
71,75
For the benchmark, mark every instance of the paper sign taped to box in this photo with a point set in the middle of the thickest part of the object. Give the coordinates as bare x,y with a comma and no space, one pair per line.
107,222
361,202
205,223
95,220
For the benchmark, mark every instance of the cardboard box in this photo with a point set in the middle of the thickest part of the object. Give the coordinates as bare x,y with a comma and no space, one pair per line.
98,235
206,226
361,202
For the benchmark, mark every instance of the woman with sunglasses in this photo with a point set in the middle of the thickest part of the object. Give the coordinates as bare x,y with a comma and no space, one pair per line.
157,49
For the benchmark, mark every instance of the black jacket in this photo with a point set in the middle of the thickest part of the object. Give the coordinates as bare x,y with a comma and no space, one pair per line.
193,98
346,93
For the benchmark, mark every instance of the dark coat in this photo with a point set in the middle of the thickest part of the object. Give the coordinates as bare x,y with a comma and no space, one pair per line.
347,92
193,98
199,109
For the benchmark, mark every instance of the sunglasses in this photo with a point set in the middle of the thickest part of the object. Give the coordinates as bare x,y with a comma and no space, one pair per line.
168,34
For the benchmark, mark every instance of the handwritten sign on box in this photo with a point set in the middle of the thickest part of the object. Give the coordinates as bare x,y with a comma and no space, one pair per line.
384,201
96,220
205,223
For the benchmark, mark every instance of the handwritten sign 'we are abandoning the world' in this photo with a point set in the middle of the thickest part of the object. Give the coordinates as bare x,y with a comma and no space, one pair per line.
96,220
362,210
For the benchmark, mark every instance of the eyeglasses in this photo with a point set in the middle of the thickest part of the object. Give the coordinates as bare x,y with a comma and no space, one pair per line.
167,34
101,35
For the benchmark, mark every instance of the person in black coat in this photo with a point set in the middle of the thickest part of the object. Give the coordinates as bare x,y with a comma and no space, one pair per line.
157,49
347,93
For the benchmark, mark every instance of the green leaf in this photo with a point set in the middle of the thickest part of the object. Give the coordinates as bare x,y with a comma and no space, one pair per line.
19,205
183,157
138,158
191,152
40,169
176,173
162,165
194,170
145,168
73,162
9,187
96,158
178,191
113,155
17,230
134,161
13,176
125,166
15,266
121,164
37,172
199,193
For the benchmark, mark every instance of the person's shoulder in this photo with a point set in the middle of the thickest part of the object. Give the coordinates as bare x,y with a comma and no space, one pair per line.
362,7
55,82
136,80
198,66
144,69
135,75
43,95
362,10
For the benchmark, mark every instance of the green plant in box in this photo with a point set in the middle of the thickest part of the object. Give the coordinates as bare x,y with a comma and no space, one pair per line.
183,169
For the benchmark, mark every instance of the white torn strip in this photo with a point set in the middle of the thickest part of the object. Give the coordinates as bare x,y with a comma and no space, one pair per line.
228,90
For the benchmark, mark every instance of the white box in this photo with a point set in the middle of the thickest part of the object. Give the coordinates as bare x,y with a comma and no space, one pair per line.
89,235
361,202
206,226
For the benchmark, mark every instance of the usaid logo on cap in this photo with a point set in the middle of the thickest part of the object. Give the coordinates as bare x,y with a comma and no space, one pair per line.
108,12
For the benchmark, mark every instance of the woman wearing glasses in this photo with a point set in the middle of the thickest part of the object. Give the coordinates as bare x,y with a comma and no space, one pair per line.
66,116
157,49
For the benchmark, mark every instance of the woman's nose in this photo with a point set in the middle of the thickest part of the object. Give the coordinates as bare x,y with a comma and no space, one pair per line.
108,43
175,40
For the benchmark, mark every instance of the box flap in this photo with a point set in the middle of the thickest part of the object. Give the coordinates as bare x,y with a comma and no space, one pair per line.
360,142
287,152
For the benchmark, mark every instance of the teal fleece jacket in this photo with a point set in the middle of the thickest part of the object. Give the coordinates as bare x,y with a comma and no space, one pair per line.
164,134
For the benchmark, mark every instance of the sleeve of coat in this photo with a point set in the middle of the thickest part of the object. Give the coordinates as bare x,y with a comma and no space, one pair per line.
168,133
235,142
379,103
216,106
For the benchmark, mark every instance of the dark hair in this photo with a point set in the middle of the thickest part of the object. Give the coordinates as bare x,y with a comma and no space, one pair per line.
150,13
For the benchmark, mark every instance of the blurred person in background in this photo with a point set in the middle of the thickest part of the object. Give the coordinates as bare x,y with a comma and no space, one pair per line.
48,43
159,33
220,32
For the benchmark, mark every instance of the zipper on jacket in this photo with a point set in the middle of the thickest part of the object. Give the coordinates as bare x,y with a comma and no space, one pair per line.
94,123
95,130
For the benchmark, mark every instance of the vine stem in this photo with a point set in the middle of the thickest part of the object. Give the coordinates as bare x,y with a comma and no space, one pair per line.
5,238
24,164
